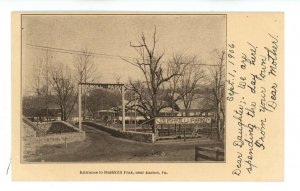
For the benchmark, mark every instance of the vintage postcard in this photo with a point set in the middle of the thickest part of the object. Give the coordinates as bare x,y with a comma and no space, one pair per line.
148,96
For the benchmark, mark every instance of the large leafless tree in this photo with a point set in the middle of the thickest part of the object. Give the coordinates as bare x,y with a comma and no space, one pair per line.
189,84
150,91
184,86
85,71
217,80
40,80
176,65
63,86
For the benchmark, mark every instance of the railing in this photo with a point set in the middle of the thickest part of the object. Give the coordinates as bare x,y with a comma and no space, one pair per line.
211,154
146,122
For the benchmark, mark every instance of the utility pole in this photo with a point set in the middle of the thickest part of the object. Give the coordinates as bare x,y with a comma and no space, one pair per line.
79,107
84,94
47,84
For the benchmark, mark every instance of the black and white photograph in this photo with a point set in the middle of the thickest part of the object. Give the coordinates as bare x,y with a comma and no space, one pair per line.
123,88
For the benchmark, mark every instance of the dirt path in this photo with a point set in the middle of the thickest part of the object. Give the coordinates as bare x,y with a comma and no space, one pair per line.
101,146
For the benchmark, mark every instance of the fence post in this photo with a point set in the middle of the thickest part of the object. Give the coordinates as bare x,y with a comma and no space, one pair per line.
196,152
211,130
218,153
123,107
66,144
184,134
175,130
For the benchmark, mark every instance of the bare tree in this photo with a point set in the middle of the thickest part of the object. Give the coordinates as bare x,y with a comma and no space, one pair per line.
175,66
47,64
37,80
183,86
117,79
85,68
64,89
151,90
189,83
36,86
217,80
138,93
40,83
85,71
104,99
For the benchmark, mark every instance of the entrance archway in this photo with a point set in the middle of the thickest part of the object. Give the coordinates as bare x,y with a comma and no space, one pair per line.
105,86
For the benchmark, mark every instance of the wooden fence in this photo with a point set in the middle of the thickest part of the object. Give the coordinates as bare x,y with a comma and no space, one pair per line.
211,154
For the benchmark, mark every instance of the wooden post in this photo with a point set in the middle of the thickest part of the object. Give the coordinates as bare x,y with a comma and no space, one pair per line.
175,130
184,133
211,130
155,128
135,113
79,107
123,107
66,144
179,129
217,154
196,153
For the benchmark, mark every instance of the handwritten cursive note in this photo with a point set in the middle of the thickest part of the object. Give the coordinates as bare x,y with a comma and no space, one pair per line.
253,71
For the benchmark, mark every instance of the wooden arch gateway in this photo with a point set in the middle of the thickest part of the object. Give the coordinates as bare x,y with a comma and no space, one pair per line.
105,86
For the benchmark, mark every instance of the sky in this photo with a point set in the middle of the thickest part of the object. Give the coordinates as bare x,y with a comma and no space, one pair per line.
191,35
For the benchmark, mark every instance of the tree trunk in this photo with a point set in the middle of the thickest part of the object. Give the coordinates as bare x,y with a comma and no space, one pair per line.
154,101
61,113
187,112
218,122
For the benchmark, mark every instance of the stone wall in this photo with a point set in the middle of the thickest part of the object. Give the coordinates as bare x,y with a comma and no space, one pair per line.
31,141
132,135
55,139
28,131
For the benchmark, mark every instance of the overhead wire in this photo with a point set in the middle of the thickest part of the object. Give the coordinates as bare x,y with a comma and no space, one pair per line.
78,52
